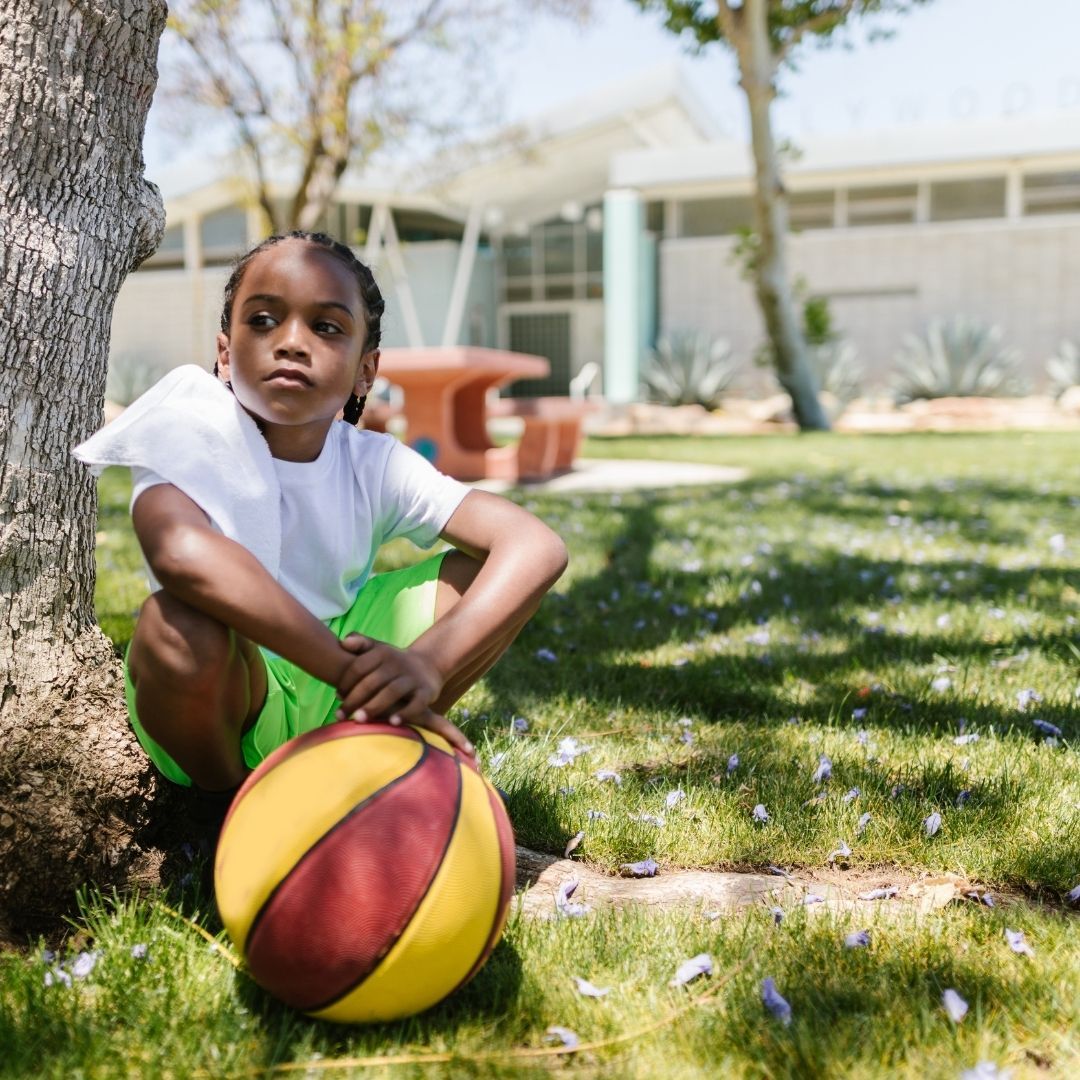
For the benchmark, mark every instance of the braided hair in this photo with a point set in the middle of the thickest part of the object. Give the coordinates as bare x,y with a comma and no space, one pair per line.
373,302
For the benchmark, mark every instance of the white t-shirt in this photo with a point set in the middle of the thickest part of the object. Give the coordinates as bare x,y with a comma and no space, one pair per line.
364,489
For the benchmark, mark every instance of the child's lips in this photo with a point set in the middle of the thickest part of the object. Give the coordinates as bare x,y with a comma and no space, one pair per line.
289,377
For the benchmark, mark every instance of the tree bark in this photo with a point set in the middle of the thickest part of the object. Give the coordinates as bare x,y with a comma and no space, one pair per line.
758,68
76,215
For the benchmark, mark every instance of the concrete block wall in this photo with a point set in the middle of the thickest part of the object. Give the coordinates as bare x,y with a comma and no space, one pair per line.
885,282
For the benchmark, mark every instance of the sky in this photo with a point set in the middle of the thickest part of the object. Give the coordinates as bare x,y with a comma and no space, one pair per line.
948,62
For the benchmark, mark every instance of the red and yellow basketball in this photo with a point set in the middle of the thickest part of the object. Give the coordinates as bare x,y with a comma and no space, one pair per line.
365,871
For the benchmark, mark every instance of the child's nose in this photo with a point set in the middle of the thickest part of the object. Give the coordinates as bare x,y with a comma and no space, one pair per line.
293,339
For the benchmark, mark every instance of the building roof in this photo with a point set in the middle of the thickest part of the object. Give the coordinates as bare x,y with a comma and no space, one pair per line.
895,150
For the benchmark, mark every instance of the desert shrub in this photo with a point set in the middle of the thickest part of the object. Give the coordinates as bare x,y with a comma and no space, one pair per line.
958,357
1063,368
837,369
690,369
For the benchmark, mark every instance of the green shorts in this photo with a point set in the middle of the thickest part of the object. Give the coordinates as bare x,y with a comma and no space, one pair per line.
396,607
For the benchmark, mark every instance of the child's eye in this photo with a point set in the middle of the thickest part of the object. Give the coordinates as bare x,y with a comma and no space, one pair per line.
327,328
261,319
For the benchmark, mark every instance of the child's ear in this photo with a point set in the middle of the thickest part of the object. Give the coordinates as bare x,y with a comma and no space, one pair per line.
365,377
223,356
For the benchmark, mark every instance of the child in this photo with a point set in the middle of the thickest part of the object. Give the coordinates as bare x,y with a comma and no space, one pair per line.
259,515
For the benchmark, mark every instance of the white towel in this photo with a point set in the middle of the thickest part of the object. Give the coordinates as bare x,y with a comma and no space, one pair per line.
189,429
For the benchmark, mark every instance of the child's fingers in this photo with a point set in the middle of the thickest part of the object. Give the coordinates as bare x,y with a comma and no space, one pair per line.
363,694
393,693
357,643
441,726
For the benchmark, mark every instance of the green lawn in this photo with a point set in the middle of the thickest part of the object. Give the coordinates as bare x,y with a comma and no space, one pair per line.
870,599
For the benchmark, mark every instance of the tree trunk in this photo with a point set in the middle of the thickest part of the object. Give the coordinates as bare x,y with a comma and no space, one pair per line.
76,215
757,67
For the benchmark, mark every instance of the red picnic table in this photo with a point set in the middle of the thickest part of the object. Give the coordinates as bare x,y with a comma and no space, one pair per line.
446,410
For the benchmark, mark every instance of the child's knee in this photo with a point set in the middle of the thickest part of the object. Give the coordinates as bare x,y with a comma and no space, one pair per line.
180,646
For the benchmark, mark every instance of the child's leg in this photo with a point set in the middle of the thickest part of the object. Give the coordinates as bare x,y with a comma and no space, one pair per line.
457,573
198,687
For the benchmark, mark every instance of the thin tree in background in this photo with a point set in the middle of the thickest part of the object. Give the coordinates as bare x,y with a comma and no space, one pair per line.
313,87
764,36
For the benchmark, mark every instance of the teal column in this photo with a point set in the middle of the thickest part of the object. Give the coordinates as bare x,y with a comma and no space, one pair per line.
624,272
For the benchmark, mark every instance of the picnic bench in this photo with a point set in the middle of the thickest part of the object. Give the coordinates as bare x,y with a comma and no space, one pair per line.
447,403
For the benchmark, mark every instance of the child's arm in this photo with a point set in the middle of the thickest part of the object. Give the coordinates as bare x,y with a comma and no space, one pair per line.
218,576
522,558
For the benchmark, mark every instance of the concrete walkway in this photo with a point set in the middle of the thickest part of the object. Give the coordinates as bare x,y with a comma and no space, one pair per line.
600,474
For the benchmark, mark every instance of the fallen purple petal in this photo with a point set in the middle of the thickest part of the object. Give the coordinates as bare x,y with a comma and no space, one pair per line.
732,763
812,898
586,988
608,774
497,759
772,1000
1046,728
858,714
57,975
573,843
1016,941
954,1005
139,951
691,969
963,797
851,795
760,813
858,939
932,824
546,655
568,1038
596,815
879,894
778,871
649,819
842,852
986,1070
823,772
564,905
777,915
1024,698
1074,895
966,740
644,868
941,684
84,964
673,798
860,826
519,725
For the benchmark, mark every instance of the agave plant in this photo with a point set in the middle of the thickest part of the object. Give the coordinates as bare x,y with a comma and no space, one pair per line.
838,370
959,357
690,369
1063,368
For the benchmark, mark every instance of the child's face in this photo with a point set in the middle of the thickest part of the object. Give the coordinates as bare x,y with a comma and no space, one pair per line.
295,348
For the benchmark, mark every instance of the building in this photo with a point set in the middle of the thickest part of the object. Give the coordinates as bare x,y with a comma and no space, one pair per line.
586,233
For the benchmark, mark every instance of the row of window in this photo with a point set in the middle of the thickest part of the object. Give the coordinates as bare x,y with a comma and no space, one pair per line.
883,204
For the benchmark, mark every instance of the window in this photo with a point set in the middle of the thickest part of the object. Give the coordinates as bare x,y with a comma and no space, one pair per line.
557,260
170,253
883,204
958,200
716,217
811,209
654,217
1052,193
223,234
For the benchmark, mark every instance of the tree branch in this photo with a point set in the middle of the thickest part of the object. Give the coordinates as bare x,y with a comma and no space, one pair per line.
816,24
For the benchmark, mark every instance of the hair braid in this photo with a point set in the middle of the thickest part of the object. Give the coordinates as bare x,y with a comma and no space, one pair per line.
372,298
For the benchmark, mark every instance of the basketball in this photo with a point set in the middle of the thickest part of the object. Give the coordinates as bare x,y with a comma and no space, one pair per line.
365,871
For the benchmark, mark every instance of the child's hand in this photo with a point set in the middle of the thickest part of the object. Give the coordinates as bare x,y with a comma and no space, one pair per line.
441,726
381,682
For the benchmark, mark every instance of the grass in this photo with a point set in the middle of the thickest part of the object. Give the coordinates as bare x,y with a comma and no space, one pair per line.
859,598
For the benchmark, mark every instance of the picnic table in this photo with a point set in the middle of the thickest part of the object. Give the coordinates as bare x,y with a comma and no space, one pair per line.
446,410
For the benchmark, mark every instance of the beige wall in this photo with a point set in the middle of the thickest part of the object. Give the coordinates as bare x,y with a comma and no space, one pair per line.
883,282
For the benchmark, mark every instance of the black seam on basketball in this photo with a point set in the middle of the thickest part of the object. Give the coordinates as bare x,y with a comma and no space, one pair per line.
423,896
375,795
